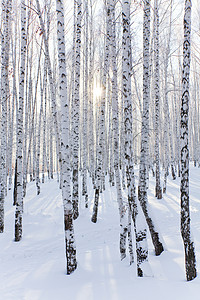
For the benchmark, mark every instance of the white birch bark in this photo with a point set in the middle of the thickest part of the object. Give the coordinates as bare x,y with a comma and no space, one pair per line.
143,170
19,202
91,110
190,260
28,81
115,127
76,109
100,132
85,109
44,149
39,137
30,157
167,127
50,76
71,95
5,46
12,108
65,153
158,190
139,226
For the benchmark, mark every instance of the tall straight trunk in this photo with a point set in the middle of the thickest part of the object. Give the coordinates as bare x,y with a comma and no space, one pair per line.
44,149
29,117
51,149
85,110
115,127
158,190
190,260
90,96
54,110
110,136
76,108
19,202
15,171
167,131
144,152
65,153
139,226
38,139
31,109
27,94
71,95
100,140
177,122
12,107
5,43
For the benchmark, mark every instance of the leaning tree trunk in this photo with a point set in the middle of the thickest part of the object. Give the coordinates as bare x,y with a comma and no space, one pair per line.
143,170
190,261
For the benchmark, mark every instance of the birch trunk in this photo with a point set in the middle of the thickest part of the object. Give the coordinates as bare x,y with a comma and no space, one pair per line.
143,170
190,260
100,136
12,107
115,127
19,202
139,226
158,190
76,108
65,153
6,10
85,110
44,150
91,111
54,110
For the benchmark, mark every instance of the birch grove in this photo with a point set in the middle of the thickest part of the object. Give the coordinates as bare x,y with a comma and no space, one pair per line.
98,95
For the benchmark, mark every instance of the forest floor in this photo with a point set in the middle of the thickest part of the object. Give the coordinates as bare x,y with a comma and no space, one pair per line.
35,268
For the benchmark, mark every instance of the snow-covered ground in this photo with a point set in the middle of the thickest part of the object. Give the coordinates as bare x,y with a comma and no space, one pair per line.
34,269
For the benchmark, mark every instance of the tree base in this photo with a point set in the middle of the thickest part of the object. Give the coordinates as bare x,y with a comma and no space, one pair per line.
71,269
159,249
158,192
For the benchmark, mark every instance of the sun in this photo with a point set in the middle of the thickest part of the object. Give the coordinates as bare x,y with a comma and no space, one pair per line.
97,91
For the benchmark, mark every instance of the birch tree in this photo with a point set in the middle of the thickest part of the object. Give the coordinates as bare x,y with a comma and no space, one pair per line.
85,110
144,152
19,202
53,104
5,46
76,108
158,190
190,260
100,140
12,109
65,153
115,128
139,226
